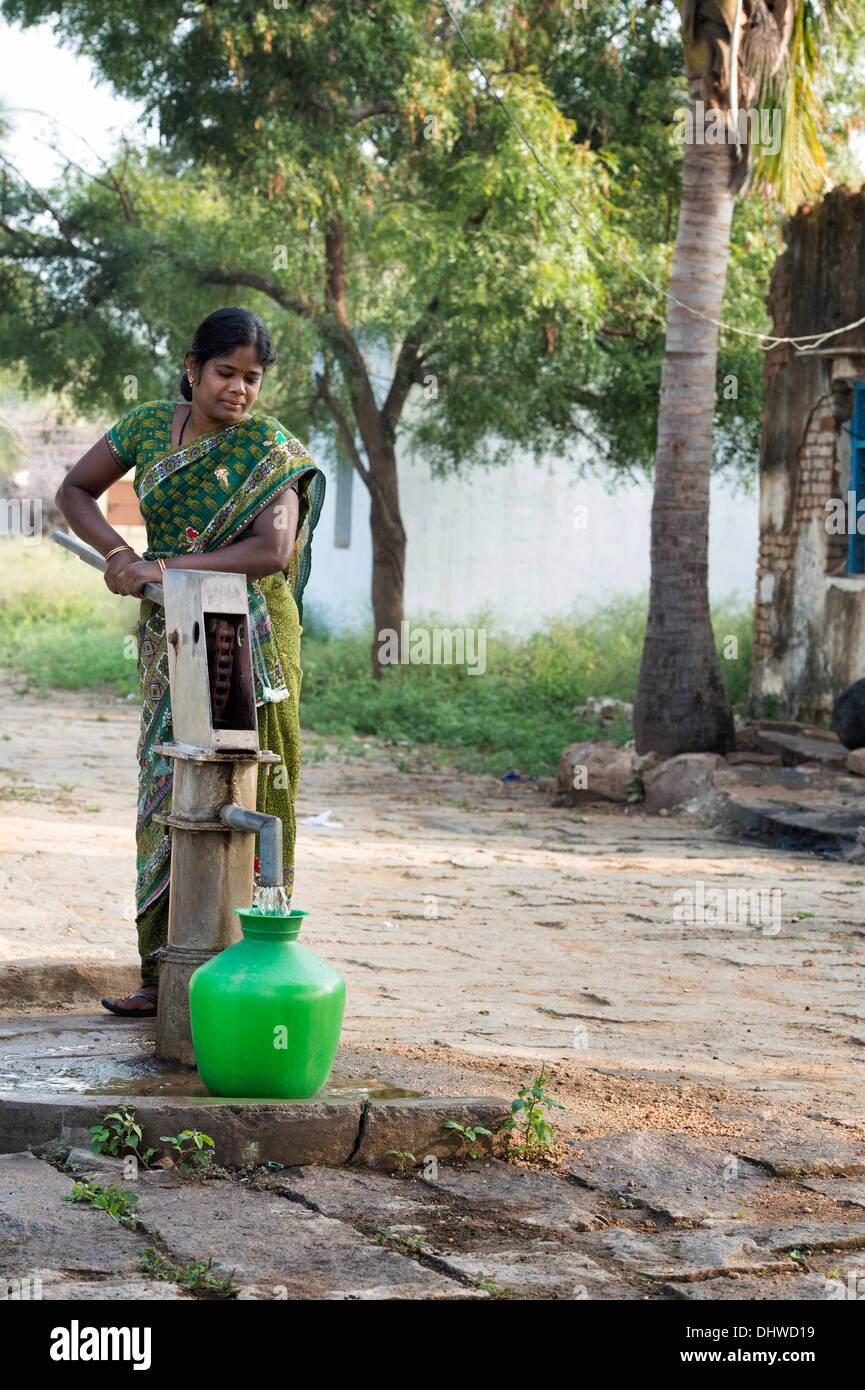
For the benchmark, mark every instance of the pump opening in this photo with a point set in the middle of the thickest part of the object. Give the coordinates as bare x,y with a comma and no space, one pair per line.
229,668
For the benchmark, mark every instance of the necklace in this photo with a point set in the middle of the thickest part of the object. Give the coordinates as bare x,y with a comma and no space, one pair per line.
185,423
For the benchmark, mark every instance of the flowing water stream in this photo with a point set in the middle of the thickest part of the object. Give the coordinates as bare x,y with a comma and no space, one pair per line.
271,900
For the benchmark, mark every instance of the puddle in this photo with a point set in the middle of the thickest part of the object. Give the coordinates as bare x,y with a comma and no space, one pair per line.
143,1076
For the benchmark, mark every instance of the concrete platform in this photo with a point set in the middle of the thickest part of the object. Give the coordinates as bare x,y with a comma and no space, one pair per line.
61,1073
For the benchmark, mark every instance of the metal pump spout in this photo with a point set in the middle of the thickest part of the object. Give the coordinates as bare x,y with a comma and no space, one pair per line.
270,830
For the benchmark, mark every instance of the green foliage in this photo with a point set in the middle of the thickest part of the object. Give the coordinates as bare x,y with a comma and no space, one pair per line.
403,1157
58,1156
488,1285
281,129
114,1200
411,1246
277,122
196,1277
532,1105
468,1135
119,1134
60,627
190,1147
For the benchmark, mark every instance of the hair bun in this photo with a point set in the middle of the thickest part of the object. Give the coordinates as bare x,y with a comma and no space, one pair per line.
185,388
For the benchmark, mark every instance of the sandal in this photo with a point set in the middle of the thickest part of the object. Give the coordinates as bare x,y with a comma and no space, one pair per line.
148,992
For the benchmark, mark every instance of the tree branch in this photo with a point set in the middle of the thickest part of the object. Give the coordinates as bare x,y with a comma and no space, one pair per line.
40,198
407,371
41,250
345,432
373,108
254,281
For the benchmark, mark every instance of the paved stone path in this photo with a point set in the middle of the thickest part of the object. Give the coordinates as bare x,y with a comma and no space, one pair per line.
710,1049
483,1230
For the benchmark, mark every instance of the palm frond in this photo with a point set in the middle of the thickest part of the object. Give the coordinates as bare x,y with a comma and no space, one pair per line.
797,169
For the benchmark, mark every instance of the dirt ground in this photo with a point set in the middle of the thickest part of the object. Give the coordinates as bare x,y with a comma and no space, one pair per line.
481,930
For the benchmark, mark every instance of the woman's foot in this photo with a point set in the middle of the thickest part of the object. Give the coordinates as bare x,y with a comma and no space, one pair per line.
141,1004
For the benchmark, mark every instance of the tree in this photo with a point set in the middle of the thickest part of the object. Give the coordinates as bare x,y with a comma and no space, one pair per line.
737,52
388,208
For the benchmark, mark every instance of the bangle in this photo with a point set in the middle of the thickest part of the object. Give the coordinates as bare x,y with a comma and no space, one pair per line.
161,564
116,551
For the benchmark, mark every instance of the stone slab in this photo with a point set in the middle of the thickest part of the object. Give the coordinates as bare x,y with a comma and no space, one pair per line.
39,1230
520,1194
280,1249
417,1126
805,1235
55,1287
30,983
669,1174
353,1194
811,1288
542,1269
849,1192
691,1255
299,1132
791,1145
795,748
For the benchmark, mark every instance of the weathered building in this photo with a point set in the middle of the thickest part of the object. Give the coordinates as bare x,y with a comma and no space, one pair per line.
809,621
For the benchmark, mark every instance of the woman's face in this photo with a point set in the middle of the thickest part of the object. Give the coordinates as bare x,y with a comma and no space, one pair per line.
226,386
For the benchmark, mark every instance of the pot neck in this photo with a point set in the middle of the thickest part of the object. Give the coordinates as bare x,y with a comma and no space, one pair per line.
262,926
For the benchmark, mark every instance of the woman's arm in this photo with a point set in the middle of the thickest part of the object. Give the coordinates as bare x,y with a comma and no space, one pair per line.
266,550
76,497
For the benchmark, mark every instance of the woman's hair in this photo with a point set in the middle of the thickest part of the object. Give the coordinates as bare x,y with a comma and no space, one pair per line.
223,331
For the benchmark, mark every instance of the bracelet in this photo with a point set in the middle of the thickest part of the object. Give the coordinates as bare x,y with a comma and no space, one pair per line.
116,551
161,564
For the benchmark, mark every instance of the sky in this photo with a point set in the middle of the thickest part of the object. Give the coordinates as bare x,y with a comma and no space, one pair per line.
49,94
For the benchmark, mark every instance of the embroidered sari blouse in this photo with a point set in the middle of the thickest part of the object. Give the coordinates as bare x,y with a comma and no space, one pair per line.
204,494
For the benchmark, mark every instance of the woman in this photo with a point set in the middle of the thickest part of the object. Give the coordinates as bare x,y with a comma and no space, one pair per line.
219,489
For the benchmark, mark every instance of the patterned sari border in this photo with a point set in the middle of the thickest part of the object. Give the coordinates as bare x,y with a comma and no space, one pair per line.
173,462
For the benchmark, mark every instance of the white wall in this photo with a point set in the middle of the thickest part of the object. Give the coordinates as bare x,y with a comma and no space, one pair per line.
505,541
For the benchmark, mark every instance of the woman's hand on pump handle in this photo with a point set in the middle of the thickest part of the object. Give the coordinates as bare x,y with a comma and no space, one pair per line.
127,573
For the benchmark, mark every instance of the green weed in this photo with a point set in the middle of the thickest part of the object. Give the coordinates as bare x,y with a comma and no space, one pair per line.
532,1105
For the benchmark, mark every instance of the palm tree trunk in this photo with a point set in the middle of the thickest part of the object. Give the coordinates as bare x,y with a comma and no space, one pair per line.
681,703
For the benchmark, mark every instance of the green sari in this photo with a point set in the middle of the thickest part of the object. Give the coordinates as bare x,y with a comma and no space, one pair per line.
196,499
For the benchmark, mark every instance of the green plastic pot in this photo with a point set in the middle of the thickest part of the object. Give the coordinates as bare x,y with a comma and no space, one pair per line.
266,1013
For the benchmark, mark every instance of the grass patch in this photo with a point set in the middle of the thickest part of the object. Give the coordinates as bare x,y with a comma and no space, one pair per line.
520,713
61,628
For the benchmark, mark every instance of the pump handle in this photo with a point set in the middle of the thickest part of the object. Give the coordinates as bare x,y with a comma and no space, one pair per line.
92,557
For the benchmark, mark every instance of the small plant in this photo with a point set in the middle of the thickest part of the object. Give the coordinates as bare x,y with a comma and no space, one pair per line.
58,1155
191,1148
403,1157
468,1134
798,1256
196,1276
532,1103
486,1282
114,1200
119,1134
405,1245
